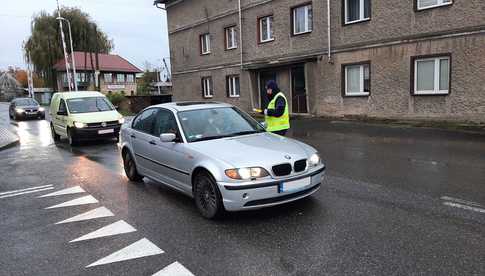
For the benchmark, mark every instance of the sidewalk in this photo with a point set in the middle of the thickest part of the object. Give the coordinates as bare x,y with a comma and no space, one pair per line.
7,137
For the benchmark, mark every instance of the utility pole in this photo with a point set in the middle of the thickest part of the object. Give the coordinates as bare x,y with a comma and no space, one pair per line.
73,58
68,69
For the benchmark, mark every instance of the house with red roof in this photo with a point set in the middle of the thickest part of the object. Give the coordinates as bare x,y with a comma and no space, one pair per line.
114,73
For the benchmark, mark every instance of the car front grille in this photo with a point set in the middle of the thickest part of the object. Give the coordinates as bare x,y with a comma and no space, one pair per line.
30,110
282,169
110,123
300,165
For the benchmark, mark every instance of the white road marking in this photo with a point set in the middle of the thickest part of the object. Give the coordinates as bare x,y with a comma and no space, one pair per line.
68,191
89,199
26,192
139,249
448,198
100,212
27,189
465,207
117,228
174,269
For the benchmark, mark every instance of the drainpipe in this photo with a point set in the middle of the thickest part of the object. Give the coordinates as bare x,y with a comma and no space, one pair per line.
328,33
240,33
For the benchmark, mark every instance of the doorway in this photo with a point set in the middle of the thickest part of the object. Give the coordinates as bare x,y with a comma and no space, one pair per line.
298,90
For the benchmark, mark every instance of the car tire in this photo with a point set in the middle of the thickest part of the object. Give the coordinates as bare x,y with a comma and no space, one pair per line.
72,139
207,196
130,168
56,137
14,117
42,117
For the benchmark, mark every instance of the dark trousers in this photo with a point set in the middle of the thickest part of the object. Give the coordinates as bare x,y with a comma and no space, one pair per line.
280,132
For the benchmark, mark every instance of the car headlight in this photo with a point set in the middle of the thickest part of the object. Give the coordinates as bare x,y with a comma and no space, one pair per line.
314,160
19,110
121,120
79,124
246,173
41,109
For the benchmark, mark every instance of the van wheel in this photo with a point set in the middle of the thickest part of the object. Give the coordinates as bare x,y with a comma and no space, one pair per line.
207,197
56,137
130,168
72,139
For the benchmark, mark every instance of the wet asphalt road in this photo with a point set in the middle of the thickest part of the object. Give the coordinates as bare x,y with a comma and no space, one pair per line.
380,211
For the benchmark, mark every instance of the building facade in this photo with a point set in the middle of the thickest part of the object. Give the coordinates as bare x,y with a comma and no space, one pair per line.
113,74
388,59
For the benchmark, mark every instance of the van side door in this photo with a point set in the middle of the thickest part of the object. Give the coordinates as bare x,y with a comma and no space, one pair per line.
59,118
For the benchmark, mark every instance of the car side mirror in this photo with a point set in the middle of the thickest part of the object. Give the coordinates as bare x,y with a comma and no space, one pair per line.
264,125
62,113
167,137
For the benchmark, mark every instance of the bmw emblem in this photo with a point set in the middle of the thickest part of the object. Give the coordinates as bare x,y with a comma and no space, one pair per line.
288,157
103,124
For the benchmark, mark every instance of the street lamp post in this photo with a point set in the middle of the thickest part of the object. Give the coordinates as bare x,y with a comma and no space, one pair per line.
72,51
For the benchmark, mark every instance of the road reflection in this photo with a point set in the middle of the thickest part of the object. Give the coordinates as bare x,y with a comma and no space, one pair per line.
34,133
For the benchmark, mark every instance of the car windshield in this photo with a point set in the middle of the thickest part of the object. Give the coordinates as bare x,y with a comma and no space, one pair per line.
215,123
25,102
90,104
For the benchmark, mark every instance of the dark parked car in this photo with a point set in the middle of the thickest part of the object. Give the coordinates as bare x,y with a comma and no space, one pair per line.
23,108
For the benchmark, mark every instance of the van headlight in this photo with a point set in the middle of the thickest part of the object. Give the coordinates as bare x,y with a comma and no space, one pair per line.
246,173
314,160
121,120
79,125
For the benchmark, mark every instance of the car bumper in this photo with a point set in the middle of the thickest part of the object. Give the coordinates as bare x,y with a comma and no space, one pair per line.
33,114
94,133
255,195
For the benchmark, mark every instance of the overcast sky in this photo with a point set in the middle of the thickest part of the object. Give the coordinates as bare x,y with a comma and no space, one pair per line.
138,28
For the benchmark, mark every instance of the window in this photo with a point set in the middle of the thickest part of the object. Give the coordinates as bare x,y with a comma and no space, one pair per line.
120,78
207,91
62,106
356,11
145,121
108,78
302,19
231,37
428,4
81,77
356,79
431,75
165,123
232,84
130,78
205,44
266,29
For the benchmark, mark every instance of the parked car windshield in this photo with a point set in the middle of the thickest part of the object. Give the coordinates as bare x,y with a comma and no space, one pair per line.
89,104
215,123
26,102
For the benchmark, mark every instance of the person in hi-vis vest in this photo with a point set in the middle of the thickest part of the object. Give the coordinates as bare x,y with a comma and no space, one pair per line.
276,114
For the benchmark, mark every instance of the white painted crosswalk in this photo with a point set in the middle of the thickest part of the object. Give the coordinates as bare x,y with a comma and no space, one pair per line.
116,228
26,189
67,191
139,249
89,199
174,269
100,212
26,192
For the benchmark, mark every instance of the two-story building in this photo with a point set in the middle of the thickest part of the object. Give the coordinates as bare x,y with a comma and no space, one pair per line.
379,58
114,73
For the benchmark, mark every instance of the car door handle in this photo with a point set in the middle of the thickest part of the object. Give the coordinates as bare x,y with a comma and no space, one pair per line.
152,142
133,136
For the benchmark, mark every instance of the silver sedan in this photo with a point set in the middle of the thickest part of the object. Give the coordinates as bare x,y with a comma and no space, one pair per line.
218,155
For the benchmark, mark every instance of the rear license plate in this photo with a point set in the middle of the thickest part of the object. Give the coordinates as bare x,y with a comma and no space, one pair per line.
295,185
105,131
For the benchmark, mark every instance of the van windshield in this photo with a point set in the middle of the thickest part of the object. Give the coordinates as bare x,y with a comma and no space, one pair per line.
89,104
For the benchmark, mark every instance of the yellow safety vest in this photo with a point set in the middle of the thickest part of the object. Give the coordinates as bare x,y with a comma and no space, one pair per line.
278,123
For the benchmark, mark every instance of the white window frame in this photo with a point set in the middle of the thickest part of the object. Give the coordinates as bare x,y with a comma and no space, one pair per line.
231,35
269,28
437,76
110,77
207,88
361,12
205,38
232,86
132,78
118,78
307,29
441,3
361,80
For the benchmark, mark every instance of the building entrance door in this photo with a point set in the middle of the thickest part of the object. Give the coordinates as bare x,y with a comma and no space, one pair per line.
264,77
298,90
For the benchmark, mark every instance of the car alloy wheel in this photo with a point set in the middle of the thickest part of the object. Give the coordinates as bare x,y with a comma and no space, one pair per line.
130,168
207,197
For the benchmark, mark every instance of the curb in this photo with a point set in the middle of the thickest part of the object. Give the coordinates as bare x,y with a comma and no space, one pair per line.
10,141
9,144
